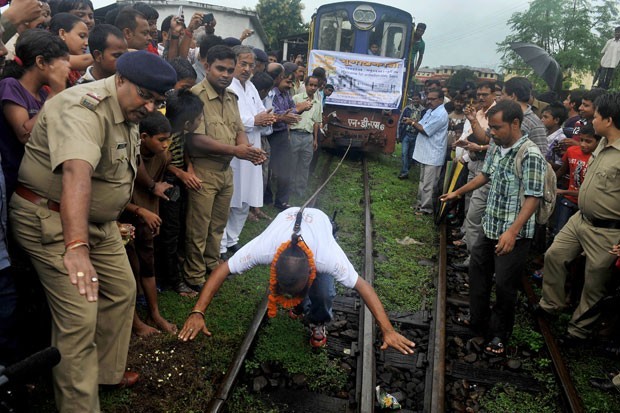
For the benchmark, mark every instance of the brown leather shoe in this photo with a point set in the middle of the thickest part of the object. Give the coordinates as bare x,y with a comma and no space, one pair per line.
130,378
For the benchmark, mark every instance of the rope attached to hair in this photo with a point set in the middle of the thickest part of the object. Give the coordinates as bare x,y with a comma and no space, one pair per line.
299,216
296,240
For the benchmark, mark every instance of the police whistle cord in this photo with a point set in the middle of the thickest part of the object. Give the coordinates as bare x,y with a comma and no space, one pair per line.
295,237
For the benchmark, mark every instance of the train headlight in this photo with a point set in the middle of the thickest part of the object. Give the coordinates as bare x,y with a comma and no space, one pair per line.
364,17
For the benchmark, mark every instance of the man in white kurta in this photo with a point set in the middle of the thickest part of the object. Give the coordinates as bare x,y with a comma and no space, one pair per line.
247,177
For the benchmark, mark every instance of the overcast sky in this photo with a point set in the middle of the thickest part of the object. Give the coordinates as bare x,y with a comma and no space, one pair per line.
459,32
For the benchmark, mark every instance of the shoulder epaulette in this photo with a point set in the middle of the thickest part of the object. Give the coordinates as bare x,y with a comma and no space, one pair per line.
91,100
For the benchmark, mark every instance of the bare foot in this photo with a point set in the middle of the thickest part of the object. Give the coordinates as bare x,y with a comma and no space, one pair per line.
144,330
165,325
188,294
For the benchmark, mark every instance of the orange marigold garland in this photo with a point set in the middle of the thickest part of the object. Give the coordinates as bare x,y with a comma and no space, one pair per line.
274,298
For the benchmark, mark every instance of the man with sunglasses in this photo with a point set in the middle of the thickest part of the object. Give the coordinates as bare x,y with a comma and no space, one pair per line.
76,177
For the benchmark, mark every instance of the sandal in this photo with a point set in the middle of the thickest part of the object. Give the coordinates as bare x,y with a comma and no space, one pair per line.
495,347
282,206
463,320
252,217
459,243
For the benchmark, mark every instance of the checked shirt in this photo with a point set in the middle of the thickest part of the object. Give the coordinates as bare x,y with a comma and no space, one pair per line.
503,203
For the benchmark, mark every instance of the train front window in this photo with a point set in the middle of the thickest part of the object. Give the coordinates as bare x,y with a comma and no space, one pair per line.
393,39
335,32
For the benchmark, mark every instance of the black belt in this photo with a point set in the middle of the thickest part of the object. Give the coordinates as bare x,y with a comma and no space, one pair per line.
602,223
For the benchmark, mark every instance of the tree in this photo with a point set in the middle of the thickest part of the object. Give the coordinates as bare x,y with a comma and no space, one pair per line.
458,79
280,18
573,32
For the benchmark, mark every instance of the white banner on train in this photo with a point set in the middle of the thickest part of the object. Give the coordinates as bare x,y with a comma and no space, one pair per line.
361,80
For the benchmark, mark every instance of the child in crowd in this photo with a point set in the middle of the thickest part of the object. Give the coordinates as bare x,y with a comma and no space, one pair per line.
142,213
40,60
186,75
553,116
575,163
184,111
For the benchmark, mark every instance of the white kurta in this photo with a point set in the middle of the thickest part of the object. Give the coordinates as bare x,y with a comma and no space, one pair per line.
247,177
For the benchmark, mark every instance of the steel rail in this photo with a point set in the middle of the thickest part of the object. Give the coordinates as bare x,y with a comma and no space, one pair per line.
571,396
366,362
437,400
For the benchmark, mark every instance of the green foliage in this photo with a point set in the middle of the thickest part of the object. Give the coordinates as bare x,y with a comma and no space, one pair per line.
458,79
573,32
506,399
243,401
524,335
285,342
280,18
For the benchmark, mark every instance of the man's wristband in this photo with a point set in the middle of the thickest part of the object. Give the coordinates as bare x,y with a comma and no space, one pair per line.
197,312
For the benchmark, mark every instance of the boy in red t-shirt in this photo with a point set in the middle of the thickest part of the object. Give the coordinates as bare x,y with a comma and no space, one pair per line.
575,162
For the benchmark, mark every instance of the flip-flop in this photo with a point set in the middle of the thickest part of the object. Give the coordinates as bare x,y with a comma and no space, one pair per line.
495,348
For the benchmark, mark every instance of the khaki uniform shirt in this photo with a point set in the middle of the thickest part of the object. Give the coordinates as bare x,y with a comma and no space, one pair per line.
599,194
222,120
84,122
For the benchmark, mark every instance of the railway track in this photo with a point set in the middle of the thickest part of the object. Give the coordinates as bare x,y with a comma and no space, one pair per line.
434,363
359,350
445,369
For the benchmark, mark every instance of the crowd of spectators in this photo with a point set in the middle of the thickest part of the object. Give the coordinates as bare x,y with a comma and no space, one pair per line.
133,155
524,157
210,129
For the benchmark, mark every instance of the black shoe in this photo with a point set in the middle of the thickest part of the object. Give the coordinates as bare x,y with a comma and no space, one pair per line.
602,384
232,249
403,176
197,287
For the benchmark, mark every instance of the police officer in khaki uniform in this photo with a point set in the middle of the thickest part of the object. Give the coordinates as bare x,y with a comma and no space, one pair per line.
594,229
218,138
75,179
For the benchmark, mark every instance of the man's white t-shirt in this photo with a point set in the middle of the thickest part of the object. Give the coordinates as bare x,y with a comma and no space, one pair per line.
316,230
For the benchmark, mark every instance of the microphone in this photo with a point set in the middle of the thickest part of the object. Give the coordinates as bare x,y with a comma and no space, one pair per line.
42,360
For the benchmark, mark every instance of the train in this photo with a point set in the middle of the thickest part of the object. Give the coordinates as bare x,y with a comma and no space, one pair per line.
365,49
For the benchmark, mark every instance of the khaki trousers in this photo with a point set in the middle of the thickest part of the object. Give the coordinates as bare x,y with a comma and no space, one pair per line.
93,338
207,214
578,236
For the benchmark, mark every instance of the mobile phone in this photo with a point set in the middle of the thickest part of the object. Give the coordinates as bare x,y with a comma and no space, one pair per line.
207,18
180,11
173,193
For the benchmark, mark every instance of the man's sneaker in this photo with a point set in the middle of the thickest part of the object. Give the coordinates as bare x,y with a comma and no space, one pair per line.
463,266
319,335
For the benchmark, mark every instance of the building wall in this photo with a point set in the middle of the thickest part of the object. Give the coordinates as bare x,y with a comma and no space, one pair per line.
228,24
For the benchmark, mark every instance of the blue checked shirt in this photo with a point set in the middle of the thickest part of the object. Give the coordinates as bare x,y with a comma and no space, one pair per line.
503,203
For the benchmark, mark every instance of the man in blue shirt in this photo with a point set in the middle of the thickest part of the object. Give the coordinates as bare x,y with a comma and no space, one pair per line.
430,148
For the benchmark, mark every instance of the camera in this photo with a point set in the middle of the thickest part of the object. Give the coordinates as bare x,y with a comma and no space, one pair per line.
207,18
